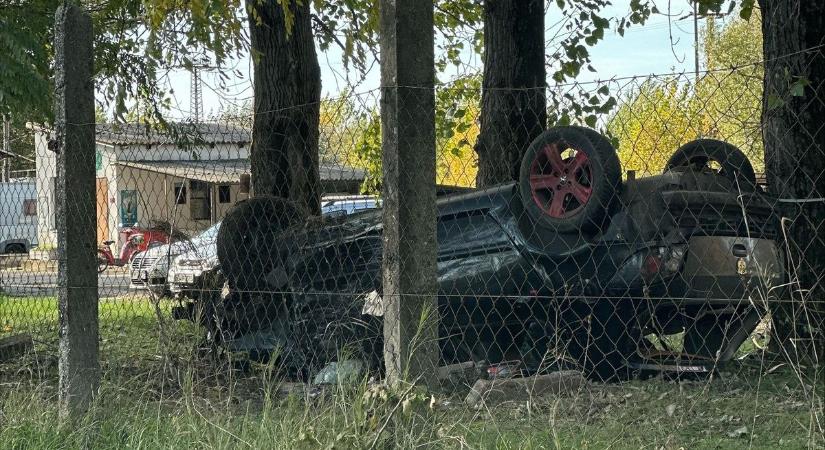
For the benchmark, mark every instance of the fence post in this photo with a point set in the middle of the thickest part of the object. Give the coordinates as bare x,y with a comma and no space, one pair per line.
408,147
75,208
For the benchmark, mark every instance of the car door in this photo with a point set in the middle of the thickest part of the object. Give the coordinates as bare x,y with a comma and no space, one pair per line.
475,256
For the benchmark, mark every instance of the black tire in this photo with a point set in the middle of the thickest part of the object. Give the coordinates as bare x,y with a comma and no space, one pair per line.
13,249
733,163
250,241
611,163
599,174
102,263
606,340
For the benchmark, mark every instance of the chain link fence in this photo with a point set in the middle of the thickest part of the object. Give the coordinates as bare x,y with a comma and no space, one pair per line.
638,243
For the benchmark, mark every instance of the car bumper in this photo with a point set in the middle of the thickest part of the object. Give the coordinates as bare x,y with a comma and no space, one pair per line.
147,279
184,279
708,270
713,272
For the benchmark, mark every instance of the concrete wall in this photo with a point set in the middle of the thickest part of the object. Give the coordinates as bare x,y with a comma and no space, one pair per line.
156,201
45,165
155,191
45,172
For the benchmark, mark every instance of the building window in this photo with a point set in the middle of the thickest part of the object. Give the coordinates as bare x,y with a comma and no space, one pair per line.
30,207
224,195
180,194
201,204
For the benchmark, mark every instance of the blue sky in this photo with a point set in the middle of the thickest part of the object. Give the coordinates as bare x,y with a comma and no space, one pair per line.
660,46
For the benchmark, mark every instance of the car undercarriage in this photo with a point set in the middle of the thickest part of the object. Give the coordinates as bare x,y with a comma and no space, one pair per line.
570,266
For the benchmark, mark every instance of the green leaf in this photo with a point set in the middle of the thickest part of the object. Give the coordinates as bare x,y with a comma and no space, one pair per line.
774,102
747,9
608,105
797,88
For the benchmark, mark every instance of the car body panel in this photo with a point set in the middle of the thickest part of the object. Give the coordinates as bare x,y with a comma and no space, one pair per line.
147,269
716,265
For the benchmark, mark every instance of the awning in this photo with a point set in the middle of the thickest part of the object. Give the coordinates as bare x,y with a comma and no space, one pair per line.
227,171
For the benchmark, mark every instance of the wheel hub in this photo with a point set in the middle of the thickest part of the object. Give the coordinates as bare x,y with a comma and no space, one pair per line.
561,187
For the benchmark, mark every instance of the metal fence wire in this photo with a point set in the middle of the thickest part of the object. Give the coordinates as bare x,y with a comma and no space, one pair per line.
632,239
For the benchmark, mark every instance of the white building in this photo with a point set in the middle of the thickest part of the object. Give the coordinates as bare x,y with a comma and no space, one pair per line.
188,177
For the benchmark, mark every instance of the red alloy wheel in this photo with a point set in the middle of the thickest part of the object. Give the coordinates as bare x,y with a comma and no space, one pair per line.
561,187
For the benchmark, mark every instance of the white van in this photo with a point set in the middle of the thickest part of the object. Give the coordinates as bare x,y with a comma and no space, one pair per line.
18,216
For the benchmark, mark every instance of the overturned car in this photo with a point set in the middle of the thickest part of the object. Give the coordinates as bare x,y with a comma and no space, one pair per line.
570,265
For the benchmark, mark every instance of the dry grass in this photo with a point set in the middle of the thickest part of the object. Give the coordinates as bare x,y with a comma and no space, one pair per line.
170,394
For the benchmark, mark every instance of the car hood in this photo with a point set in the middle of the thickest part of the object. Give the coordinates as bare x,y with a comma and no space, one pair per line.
161,251
208,251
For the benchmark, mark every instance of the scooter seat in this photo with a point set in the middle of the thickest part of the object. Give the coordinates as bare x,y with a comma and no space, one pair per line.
108,242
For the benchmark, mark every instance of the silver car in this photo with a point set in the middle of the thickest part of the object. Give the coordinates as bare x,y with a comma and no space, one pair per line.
148,269
188,268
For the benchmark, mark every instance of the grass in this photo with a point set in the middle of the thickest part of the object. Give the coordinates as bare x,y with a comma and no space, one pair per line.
164,393
136,333
637,415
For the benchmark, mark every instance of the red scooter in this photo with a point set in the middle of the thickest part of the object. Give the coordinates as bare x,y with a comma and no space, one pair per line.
136,240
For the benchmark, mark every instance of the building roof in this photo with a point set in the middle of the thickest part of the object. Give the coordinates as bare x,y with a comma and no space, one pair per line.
178,133
230,170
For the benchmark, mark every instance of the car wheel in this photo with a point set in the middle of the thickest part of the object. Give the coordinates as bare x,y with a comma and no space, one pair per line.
605,340
568,182
718,156
15,249
250,241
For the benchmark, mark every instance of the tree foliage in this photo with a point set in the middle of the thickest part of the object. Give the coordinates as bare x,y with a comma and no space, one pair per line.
651,122
25,28
351,134
585,25
730,94
457,131
661,114
136,42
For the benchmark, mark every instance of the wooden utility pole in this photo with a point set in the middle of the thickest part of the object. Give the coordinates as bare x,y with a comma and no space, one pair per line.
408,146
74,144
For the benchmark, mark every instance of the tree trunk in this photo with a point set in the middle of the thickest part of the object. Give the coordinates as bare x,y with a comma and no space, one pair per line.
793,108
287,82
513,104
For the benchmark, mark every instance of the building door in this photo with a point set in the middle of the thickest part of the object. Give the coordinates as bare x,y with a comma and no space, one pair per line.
200,196
102,189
